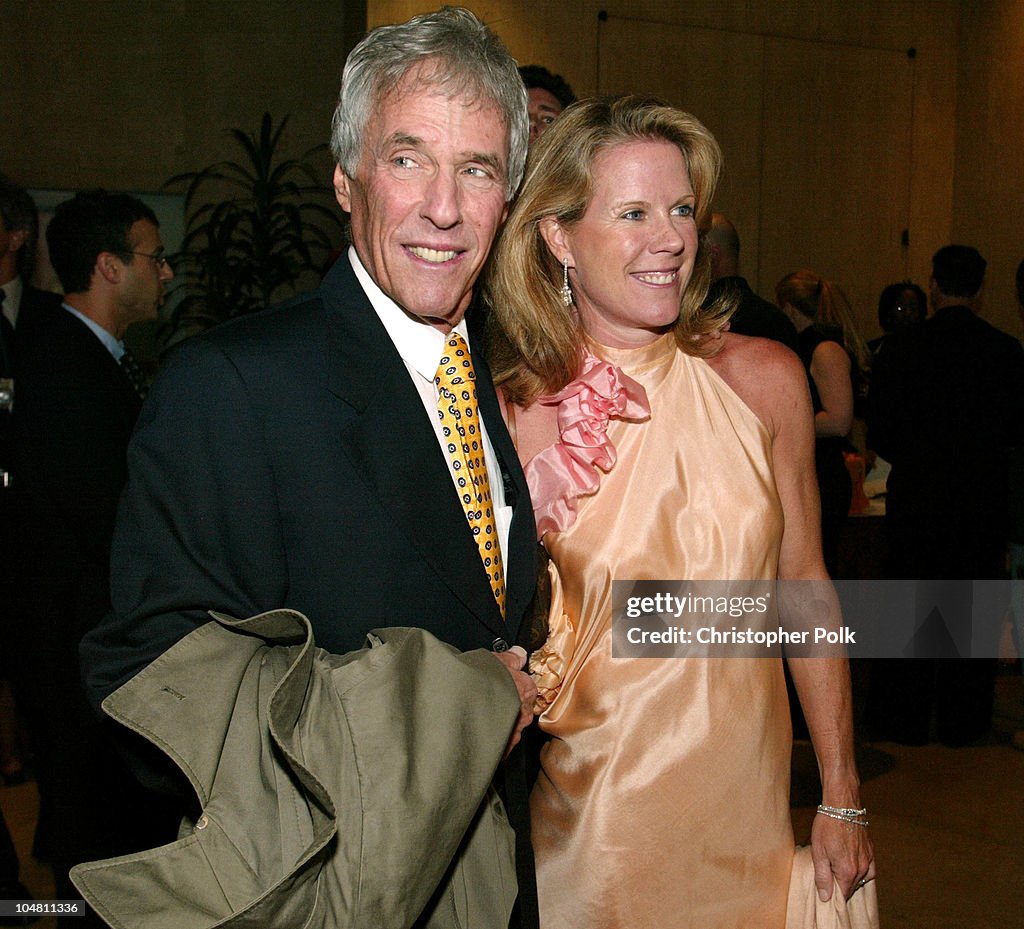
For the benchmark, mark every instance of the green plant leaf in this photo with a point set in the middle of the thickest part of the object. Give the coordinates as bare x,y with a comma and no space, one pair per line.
243,250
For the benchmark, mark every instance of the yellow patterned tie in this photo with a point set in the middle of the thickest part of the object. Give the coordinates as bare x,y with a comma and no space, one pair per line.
460,422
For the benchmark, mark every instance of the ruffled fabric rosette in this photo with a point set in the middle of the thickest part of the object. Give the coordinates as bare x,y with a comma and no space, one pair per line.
560,475
570,469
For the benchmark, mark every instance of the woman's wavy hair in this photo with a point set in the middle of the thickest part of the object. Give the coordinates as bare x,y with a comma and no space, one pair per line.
535,342
825,305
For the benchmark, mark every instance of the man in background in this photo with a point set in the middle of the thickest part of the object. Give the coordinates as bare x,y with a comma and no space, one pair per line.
946,407
19,301
547,95
78,396
754,315
19,230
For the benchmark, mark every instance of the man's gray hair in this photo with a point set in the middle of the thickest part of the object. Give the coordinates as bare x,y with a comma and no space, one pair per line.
465,57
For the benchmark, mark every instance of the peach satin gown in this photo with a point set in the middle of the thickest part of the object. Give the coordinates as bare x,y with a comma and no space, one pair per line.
663,799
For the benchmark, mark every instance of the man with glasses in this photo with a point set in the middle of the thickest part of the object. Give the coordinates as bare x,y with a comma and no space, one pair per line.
78,395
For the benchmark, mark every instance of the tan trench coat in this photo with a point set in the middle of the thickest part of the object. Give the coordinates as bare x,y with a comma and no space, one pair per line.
335,791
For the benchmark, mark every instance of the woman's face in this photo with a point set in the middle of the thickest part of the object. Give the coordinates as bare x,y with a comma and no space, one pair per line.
631,255
907,311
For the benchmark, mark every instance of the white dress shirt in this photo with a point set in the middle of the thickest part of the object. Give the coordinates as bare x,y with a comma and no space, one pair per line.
421,347
13,290
112,344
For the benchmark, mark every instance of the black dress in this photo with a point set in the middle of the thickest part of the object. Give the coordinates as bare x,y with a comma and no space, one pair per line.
834,484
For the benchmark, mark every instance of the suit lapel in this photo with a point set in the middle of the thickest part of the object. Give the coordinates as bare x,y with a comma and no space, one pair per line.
521,576
93,356
393,446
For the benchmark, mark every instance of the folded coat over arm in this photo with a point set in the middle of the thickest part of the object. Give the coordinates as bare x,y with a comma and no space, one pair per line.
326,783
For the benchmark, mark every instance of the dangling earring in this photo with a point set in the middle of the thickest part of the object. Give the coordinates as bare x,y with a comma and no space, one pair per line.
566,291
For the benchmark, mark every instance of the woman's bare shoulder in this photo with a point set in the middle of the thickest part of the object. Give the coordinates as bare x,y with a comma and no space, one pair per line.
765,374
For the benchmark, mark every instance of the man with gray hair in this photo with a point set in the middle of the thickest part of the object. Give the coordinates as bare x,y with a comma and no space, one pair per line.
332,455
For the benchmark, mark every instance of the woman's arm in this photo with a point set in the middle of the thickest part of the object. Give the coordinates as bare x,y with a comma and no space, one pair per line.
830,370
839,848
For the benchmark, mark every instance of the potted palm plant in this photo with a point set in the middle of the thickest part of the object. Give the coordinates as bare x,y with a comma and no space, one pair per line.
270,228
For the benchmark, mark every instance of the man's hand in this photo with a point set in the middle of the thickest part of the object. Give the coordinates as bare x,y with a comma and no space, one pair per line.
515,660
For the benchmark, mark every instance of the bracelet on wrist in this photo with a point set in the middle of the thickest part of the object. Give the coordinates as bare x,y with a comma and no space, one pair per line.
845,814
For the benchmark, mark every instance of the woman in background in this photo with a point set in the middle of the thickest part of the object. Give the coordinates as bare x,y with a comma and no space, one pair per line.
657,445
834,356
901,306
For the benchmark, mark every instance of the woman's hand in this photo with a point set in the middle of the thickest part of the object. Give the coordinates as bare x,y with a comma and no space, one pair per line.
842,852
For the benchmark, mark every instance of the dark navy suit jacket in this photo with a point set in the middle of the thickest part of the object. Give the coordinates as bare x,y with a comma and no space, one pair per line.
285,460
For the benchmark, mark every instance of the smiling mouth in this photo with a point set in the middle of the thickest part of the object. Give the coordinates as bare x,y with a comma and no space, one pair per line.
657,277
432,255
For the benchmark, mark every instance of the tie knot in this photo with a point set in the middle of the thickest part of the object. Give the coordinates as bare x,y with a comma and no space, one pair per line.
456,366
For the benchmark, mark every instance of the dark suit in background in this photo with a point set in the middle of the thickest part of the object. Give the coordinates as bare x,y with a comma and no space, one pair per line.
73,416
946,405
19,301
754,315
8,856
34,302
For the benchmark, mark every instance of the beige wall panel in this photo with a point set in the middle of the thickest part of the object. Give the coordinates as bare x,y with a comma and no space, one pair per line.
988,196
931,192
88,96
865,22
562,33
713,74
285,58
561,36
828,184
124,94
870,23
836,167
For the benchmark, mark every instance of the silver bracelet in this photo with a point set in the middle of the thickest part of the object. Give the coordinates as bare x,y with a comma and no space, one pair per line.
845,814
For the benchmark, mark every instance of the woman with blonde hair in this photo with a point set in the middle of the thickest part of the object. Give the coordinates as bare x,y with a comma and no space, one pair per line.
658,445
834,355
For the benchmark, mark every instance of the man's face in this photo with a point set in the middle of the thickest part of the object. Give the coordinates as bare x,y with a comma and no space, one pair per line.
543,107
10,241
428,198
144,280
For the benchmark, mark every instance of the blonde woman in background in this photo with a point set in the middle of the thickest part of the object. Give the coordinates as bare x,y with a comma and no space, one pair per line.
834,356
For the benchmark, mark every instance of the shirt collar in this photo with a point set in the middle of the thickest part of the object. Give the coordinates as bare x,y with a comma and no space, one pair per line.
419,344
112,345
13,290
